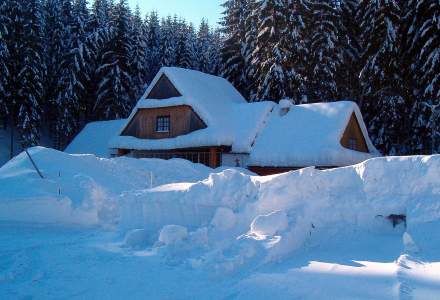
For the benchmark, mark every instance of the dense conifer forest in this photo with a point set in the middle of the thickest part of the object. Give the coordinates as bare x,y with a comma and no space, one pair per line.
64,63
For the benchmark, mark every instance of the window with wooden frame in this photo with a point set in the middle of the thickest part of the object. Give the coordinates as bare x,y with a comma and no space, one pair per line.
163,124
353,144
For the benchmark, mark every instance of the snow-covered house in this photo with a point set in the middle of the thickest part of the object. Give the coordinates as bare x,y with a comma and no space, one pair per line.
203,118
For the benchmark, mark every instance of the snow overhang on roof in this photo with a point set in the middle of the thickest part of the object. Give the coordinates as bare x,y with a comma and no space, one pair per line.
309,135
230,119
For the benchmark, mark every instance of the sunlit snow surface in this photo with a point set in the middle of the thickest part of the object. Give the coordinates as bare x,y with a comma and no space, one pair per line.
100,229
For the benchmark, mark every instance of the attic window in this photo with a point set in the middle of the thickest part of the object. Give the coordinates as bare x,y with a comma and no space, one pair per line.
163,124
353,144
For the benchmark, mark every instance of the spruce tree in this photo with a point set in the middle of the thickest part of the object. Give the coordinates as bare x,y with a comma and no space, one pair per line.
422,22
232,54
249,45
101,14
138,55
30,74
153,45
188,56
57,20
427,41
114,95
203,44
271,55
4,73
168,43
384,101
75,75
347,75
214,55
298,24
325,57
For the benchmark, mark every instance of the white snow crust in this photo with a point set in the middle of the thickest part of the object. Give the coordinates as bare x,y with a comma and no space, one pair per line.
307,234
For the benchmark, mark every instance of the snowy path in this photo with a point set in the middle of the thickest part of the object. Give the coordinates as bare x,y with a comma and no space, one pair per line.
41,262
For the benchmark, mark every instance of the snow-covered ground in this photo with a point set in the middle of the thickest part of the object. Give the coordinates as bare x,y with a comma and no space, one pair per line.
126,228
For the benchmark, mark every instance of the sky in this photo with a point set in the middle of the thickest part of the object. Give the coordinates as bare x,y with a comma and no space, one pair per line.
192,10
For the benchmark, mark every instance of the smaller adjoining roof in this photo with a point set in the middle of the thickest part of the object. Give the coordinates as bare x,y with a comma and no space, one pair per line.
230,119
309,135
93,139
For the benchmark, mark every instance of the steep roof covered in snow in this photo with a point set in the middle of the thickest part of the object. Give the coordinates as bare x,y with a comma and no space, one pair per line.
309,135
230,119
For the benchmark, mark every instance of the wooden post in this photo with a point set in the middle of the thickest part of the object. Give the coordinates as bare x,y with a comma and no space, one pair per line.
33,163
213,158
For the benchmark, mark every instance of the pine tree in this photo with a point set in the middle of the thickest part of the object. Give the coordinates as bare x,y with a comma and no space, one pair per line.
203,44
299,19
385,103
153,45
57,19
101,14
427,41
181,49
188,46
168,43
29,77
4,73
214,56
248,47
271,56
74,77
325,57
113,94
422,54
349,43
232,54
138,55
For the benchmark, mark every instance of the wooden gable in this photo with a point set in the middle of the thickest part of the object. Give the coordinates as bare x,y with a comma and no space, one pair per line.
163,89
353,138
182,118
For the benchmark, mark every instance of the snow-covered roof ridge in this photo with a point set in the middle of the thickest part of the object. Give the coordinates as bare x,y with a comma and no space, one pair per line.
212,97
230,119
310,135
198,85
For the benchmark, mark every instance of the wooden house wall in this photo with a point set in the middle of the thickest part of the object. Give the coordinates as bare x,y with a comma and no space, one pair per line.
353,131
183,120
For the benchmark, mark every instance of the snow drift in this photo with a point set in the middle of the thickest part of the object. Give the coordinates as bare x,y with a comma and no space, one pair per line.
224,218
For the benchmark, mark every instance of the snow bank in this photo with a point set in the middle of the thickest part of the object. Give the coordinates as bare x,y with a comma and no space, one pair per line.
224,219
270,217
81,188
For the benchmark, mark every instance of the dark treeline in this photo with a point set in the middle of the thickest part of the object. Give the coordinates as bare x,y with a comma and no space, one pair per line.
383,54
64,63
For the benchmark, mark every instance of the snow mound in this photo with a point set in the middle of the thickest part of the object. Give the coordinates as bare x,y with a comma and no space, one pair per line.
171,234
137,238
225,219
81,189
269,225
248,218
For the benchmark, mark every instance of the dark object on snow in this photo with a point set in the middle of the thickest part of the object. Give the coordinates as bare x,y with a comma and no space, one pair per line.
33,163
396,219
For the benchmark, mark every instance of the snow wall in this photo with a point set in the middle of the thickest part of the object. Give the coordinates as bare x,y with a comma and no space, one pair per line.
227,215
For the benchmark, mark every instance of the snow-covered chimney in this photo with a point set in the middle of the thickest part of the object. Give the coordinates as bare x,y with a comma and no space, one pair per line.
285,105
